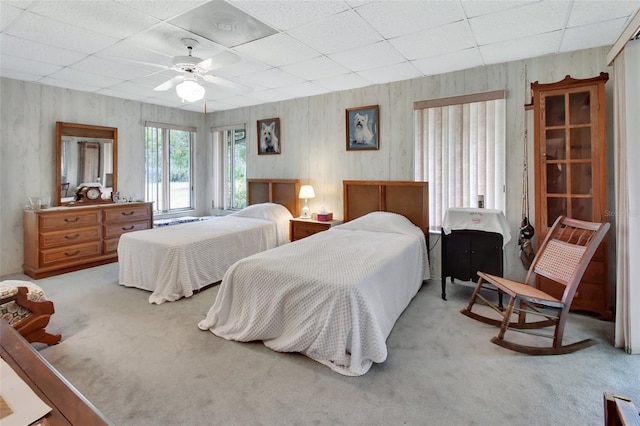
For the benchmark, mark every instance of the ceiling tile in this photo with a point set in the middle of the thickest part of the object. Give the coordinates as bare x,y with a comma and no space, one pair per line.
22,48
69,84
18,75
523,48
535,18
104,67
393,19
110,18
473,8
164,9
455,61
395,72
304,89
7,15
590,12
83,78
134,89
244,67
277,50
587,36
233,102
285,15
448,38
343,82
371,56
48,31
329,35
223,23
271,79
28,65
123,94
270,95
316,68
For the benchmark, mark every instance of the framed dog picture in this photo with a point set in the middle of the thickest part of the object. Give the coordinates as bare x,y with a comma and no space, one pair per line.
363,128
269,136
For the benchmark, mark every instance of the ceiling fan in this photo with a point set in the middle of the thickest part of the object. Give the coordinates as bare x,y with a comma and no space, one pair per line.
193,67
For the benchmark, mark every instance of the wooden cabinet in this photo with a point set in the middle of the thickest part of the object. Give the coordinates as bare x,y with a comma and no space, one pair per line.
570,173
65,239
301,228
466,251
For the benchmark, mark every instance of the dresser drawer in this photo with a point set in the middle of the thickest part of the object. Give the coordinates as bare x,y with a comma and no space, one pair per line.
70,253
127,213
69,219
111,231
69,237
110,246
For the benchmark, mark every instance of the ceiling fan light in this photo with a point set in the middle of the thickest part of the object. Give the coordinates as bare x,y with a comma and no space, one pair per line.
190,91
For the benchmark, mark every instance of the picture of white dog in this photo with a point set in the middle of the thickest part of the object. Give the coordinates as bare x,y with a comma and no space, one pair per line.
268,137
362,133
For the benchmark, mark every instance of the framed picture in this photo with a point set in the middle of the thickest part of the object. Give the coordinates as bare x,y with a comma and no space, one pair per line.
269,141
363,128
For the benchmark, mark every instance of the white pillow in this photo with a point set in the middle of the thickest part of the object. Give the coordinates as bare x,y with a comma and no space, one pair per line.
383,222
270,211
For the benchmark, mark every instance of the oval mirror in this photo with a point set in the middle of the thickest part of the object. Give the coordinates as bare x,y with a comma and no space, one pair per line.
85,155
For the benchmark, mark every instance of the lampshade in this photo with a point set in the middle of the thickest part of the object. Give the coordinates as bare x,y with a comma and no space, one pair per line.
306,192
190,90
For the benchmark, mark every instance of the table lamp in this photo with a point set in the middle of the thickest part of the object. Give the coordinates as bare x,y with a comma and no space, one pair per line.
306,192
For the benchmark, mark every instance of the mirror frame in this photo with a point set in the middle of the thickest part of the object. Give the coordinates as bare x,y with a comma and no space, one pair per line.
87,131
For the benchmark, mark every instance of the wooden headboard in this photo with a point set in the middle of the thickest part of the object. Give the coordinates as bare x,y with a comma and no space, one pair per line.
280,191
408,198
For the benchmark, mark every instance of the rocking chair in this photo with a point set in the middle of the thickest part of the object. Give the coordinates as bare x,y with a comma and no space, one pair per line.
562,257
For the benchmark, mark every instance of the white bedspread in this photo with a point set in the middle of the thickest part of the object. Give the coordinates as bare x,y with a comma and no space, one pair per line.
174,261
334,296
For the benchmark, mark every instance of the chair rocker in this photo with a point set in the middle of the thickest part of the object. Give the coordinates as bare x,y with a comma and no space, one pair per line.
563,257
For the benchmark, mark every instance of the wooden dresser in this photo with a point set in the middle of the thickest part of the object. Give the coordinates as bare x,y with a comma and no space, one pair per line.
301,228
65,239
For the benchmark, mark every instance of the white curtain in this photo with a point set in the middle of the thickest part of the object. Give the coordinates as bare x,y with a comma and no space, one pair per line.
460,151
627,158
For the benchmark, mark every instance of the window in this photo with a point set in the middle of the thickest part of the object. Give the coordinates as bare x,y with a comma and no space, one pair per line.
460,151
230,173
169,166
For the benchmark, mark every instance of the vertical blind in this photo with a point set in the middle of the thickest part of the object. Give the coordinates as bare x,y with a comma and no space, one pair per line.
460,151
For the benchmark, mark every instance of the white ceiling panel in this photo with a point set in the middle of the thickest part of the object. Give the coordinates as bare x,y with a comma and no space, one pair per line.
285,15
374,55
54,33
277,50
343,31
29,66
523,21
104,17
393,19
316,68
519,49
395,72
596,35
28,49
448,38
455,61
125,48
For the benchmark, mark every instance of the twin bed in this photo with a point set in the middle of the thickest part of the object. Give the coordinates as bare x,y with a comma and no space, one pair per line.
336,295
175,261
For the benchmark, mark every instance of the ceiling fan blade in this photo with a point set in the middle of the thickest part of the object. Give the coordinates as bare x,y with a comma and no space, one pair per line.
219,81
169,83
219,61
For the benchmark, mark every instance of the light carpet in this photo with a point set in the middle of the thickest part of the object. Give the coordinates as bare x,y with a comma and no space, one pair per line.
144,364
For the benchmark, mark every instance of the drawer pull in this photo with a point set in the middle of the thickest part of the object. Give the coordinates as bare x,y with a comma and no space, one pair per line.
71,237
128,214
128,228
66,219
75,253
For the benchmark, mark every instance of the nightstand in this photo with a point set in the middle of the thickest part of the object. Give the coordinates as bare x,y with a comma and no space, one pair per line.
300,228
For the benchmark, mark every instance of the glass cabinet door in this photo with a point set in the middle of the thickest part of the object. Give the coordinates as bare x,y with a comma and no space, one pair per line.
566,144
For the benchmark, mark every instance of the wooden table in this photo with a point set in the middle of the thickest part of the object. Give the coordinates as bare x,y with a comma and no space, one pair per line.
69,406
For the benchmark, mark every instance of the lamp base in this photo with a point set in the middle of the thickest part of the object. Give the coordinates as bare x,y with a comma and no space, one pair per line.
306,213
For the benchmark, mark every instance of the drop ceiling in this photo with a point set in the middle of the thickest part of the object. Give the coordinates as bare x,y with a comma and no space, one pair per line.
285,49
